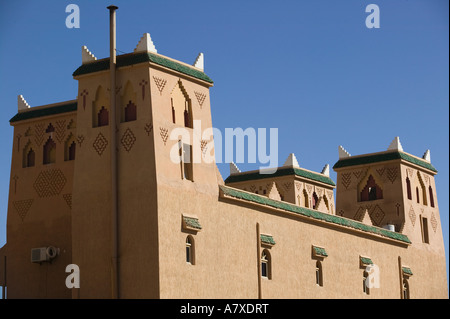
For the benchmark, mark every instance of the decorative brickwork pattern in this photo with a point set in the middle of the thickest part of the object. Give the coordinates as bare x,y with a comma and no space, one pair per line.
18,136
49,183
204,146
410,173
164,134
83,95
22,207
330,194
68,199
380,171
433,222
298,185
143,83
128,140
346,179
39,131
60,130
15,178
359,214
100,144
148,128
392,173
28,132
200,98
357,174
377,215
287,186
412,216
160,84
80,139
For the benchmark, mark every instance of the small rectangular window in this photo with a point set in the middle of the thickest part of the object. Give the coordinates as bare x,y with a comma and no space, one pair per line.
424,224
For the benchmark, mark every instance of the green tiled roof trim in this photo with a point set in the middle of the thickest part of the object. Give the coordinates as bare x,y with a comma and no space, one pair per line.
407,271
338,220
280,172
267,239
320,251
366,261
382,158
192,222
26,115
135,58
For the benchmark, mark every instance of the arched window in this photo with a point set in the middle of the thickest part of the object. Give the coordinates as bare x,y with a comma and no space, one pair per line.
69,148
405,289
190,257
371,191
130,112
417,195
49,151
408,188
173,110
103,117
319,274
315,200
423,189
28,156
306,198
430,190
181,106
266,267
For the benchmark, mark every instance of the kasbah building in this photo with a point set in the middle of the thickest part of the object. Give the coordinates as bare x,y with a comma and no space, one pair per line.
138,225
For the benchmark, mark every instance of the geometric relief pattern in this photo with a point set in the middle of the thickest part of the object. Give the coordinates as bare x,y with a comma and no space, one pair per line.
357,174
359,214
377,215
60,130
68,199
39,133
412,216
164,134
128,140
49,183
346,179
148,128
100,144
22,207
80,139
204,146
433,221
160,84
380,171
392,173
200,98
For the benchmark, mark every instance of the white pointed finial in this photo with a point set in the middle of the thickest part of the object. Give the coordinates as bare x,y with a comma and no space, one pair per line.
427,156
326,170
395,144
145,44
86,55
199,62
291,161
21,103
343,153
234,169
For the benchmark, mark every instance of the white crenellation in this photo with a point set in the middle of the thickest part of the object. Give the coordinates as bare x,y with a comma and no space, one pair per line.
86,55
145,44
21,103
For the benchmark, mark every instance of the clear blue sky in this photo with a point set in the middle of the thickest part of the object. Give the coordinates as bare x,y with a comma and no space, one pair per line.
312,69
